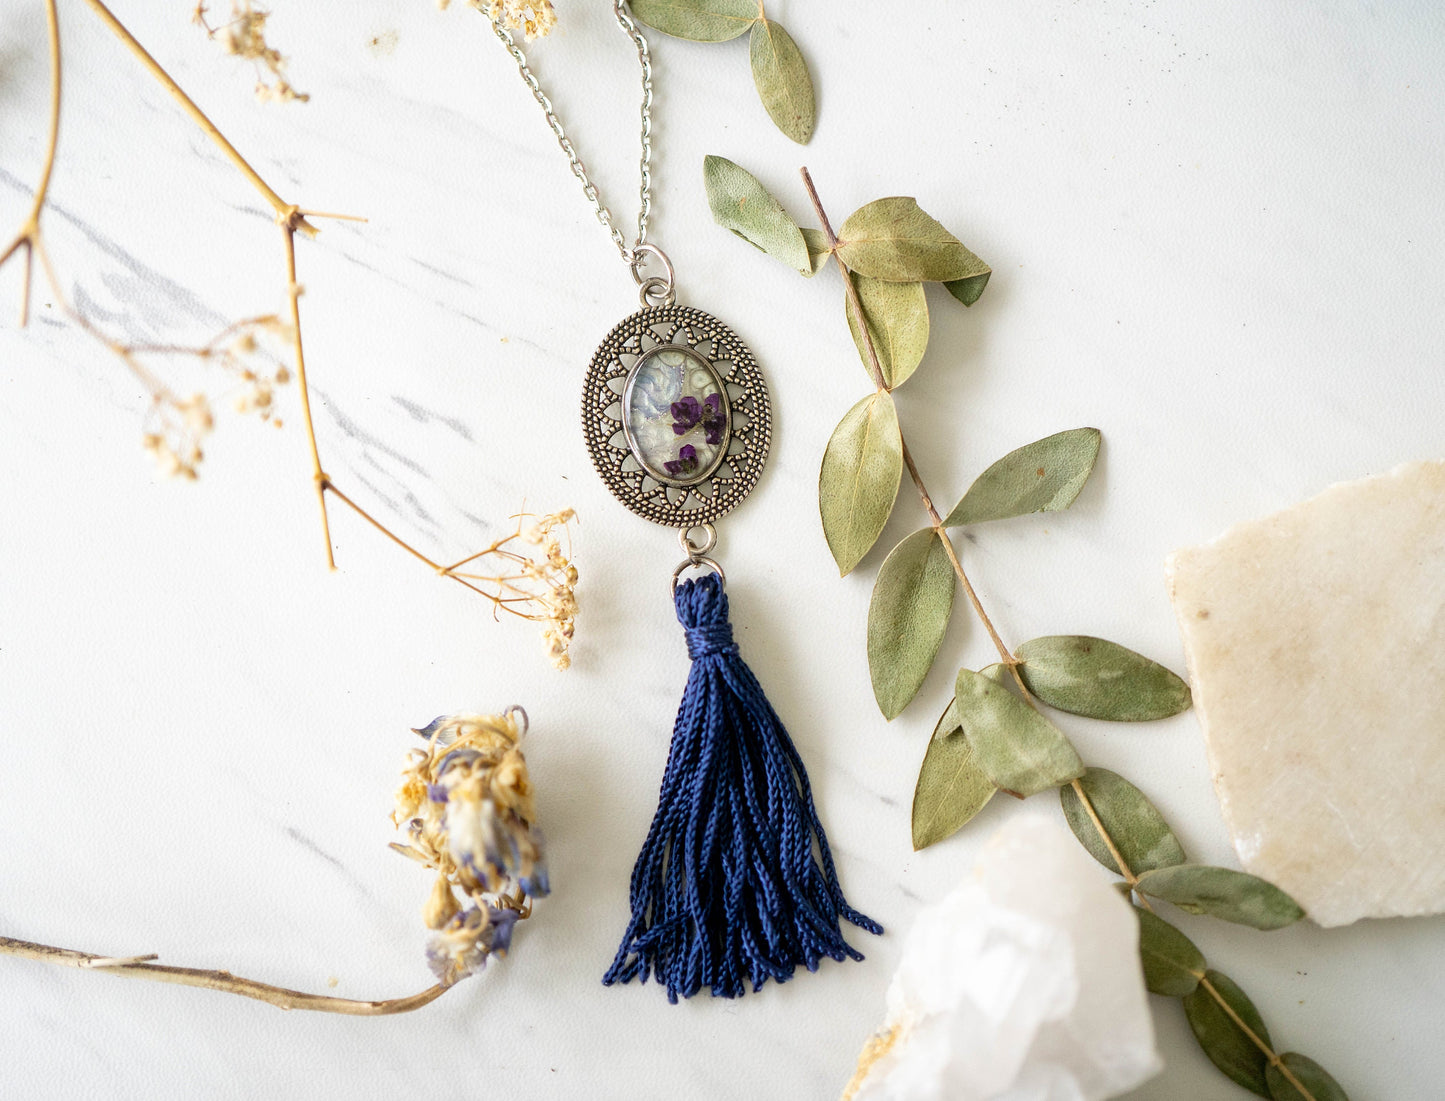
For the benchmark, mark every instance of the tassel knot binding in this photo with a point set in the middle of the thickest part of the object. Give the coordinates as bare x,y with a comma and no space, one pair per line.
735,883
707,639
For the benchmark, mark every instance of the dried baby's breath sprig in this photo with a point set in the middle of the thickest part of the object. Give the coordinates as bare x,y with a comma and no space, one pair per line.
538,587
534,18
244,35
176,427
466,804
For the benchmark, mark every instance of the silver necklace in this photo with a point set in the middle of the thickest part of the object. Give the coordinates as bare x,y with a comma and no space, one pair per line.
735,884
674,407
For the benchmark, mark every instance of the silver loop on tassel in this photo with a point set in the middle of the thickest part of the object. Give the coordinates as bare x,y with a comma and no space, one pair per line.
700,561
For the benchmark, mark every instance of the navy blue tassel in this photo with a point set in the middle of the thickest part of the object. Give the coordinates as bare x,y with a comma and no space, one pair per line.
730,887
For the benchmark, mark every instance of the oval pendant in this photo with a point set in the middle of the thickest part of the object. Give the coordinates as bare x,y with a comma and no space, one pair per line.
676,416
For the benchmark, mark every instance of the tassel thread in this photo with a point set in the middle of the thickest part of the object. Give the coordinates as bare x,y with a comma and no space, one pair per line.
735,883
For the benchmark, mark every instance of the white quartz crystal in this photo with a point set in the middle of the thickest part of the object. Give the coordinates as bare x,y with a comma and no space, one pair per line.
1023,984
1316,644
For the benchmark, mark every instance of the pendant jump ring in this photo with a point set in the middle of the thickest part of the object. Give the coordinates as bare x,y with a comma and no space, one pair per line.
656,292
639,257
693,550
700,562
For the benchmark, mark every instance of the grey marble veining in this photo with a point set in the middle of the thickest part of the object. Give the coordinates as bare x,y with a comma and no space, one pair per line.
1214,232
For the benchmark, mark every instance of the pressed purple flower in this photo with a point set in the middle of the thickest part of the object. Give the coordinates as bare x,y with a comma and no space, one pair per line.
685,414
713,422
685,463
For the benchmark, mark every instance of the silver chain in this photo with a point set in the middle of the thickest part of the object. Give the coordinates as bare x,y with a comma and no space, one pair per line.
636,254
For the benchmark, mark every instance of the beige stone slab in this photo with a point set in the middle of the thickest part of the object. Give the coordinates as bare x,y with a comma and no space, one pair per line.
1316,646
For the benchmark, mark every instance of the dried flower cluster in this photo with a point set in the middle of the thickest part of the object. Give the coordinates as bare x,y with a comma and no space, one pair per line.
541,588
176,427
466,803
534,18
556,580
245,36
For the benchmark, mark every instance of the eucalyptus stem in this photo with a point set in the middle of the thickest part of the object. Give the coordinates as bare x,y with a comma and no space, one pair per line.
142,967
1005,653
1254,1037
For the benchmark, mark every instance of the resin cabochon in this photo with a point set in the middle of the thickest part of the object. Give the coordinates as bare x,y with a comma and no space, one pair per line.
676,416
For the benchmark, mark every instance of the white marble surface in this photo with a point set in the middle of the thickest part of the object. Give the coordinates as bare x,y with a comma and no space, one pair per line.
1216,235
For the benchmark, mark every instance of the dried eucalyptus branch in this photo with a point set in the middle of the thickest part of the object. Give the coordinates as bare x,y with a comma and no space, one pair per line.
994,735
177,426
1013,665
779,72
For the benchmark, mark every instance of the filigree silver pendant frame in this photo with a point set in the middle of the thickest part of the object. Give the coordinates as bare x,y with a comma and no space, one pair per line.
679,502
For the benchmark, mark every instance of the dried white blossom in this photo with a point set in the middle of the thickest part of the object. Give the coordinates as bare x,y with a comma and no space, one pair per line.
244,35
466,803
534,18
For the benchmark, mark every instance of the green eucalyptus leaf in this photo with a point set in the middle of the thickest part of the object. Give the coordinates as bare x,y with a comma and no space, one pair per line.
907,616
1138,830
1100,679
818,250
897,315
1226,1044
970,290
1223,893
893,239
998,673
1018,749
1172,964
740,203
1043,476
782,79
1311,1075
699,20
858,484
951,786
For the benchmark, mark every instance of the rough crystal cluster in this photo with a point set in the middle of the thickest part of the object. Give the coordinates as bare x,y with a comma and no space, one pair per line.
466,803
1314,640
1023,984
